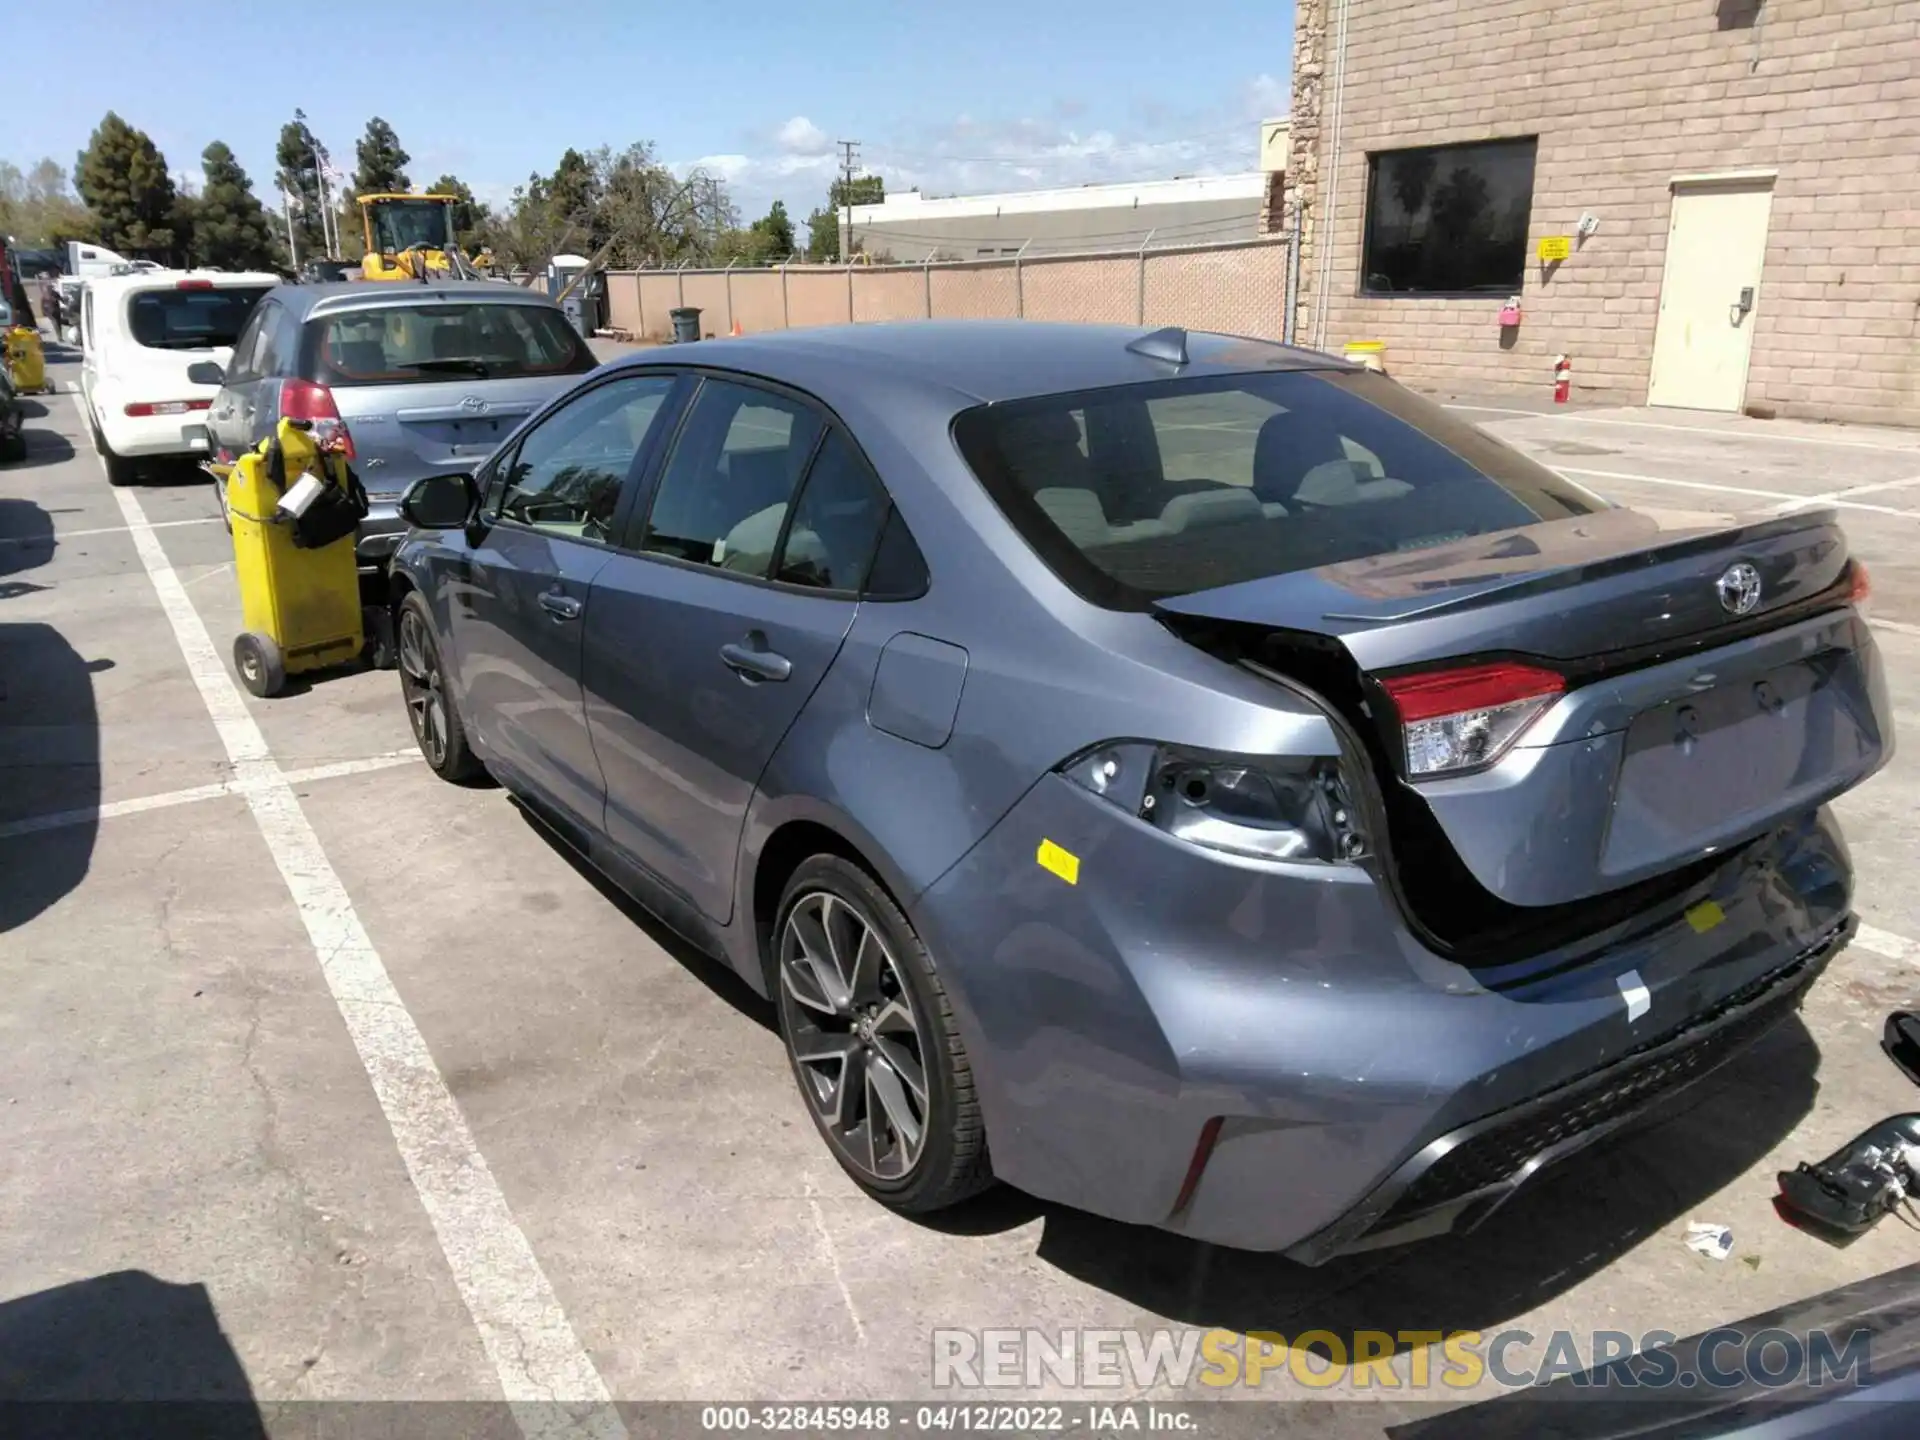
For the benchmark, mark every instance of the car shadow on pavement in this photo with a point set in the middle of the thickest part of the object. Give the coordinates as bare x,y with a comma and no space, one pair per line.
716,975
1570,1222
44,447
123,1354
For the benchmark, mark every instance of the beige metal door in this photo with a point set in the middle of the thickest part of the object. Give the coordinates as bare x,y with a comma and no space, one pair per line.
1716,244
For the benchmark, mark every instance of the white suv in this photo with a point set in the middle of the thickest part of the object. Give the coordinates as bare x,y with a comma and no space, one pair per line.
140,334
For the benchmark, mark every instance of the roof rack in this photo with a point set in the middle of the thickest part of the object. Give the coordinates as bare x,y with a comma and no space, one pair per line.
1169,345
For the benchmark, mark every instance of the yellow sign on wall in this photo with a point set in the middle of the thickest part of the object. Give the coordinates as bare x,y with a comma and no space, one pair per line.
1555,248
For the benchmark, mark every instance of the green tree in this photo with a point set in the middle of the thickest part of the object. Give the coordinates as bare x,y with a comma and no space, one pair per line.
230,228
383,164
298,155
823,225
124,180
648,216
776,230
38,208
574,193
470,217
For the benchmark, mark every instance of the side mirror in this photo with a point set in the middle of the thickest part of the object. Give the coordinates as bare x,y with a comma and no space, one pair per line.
205,372
440,502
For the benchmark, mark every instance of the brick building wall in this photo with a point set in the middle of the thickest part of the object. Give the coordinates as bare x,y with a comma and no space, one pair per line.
1625,95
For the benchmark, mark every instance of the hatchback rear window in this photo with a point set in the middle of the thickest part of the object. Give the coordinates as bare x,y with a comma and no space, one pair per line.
190,319
1140,492
406,344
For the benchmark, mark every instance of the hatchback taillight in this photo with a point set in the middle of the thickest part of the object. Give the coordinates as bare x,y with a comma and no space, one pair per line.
166,407
304,400
1463,719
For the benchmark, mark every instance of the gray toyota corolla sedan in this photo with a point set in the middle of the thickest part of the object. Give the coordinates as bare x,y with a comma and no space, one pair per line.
1188,778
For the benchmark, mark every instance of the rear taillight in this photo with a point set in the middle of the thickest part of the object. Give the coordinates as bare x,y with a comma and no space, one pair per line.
1455,720
304,400
166,407
1860,586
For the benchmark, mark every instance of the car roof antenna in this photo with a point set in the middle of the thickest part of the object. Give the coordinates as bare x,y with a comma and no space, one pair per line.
1169,345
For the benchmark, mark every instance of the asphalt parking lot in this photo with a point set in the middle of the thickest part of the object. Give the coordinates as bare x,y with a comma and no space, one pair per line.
399,1104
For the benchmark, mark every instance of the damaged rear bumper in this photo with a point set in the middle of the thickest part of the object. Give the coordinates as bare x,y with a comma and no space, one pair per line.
1458,1180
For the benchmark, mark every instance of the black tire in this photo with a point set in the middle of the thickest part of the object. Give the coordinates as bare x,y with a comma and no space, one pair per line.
120,470
431,711
262,668
951,1164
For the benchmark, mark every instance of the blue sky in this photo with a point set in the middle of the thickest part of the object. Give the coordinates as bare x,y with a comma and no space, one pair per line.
988,95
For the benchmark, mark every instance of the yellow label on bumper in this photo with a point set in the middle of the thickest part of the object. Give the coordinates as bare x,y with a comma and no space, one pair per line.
1063,863
1704,916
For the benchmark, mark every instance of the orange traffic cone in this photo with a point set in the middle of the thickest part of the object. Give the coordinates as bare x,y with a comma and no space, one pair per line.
736,329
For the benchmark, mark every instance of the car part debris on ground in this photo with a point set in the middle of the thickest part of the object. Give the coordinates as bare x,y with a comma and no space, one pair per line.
1874,1174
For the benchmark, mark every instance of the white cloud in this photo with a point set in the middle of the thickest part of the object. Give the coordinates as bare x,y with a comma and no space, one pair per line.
1268,98
800,136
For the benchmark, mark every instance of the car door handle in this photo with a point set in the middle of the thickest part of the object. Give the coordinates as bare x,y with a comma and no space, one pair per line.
561,607
756,662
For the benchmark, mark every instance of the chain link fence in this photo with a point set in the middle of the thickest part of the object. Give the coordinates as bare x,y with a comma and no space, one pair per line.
1247,287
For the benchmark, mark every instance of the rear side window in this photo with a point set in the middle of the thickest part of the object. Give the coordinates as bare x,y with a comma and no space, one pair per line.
1141,492
836,522
190,319
406,344
724,495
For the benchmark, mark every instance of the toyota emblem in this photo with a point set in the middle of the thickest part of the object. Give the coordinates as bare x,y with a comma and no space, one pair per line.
473,405
1739,589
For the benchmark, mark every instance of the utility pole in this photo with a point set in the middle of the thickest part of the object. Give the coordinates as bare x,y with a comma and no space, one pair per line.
849,162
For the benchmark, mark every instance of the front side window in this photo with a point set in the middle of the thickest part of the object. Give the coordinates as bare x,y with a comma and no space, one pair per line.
409,344
567,475
1448,219
191,318
1188,485
723,497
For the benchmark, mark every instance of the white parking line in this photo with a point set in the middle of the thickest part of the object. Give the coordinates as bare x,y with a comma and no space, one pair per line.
545,1373
1898,627
1833,497
1726,432
59,535
1725,489
1886,943
215,790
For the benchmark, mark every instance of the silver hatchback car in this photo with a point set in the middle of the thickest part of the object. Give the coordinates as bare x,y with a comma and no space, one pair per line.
410,380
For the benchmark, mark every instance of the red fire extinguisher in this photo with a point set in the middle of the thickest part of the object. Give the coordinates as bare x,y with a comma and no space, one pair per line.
1562,379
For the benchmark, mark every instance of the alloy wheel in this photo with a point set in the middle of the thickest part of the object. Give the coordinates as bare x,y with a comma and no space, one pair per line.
420,683
855,1039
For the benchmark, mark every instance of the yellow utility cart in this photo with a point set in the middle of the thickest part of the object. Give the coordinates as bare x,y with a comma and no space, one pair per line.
295,510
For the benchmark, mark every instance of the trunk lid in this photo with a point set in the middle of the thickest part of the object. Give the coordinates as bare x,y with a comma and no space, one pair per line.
1694,717
401,432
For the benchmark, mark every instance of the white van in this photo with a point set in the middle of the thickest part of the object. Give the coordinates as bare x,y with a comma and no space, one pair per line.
139,336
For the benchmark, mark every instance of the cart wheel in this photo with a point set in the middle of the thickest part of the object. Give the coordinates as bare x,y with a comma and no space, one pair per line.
258,660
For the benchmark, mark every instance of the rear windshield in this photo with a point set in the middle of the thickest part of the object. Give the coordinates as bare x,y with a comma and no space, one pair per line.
191,319
405,344
1141,492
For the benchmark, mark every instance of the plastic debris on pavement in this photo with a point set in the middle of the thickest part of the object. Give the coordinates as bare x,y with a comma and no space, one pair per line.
1713,1241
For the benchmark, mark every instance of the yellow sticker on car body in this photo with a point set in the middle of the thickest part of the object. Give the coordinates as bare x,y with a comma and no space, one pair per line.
1704,916
1059,861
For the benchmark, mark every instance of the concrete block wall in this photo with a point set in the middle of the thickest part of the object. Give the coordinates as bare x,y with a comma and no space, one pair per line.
1624,95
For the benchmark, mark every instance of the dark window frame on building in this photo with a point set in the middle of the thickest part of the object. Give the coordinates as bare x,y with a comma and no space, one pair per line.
1422,264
